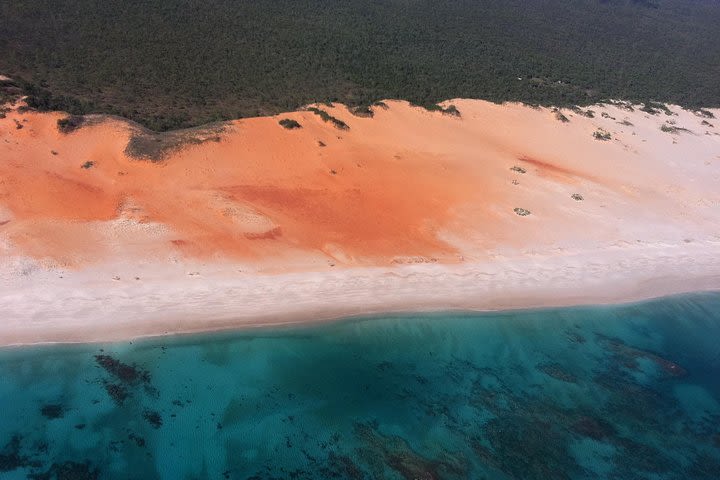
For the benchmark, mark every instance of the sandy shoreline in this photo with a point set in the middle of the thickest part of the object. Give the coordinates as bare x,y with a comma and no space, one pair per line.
217,298
502,207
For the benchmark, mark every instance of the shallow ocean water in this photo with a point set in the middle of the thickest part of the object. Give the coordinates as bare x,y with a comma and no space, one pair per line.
616,392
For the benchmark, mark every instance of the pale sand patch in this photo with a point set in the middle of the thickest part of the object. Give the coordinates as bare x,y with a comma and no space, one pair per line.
150,299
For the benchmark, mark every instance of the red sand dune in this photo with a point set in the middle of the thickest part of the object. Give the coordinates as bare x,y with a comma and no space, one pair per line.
405,185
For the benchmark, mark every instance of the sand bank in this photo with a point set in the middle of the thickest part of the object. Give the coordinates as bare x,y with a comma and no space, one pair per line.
108,232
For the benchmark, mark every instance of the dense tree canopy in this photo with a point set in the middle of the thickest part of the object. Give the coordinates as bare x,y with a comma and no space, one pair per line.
178,63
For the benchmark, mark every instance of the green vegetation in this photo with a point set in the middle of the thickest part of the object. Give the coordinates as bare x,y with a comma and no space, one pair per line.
704,113
289,123
451,110
180,63
326,117
9,92
363,111
146,144
70,124
584,113
434,107
625,105
560,116
654,108
672,128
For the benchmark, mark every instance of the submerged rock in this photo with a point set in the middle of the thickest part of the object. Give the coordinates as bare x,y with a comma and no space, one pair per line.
68,471
52,411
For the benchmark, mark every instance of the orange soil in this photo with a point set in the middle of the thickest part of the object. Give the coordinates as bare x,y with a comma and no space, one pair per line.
396,186
346,196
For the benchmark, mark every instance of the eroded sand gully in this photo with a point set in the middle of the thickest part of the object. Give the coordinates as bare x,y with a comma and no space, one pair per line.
406,206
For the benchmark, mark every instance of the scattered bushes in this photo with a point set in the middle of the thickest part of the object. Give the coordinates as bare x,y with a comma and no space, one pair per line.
577,197
653,108
584,113
560,116
326,117
450,110
87,165
521,211
518,169
704,113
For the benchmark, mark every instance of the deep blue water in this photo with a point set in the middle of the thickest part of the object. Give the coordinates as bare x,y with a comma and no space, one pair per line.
617,392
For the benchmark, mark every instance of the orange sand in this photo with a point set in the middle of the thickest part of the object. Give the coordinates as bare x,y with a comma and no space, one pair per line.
261,190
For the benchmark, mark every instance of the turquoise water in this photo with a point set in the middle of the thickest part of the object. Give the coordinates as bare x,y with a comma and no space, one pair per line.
621,392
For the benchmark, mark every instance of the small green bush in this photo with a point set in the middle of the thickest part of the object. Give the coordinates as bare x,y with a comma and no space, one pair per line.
670,128
363,111
602,134
70,124
289,123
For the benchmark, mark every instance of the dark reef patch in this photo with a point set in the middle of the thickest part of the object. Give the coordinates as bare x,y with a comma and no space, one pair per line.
153,418
10,456
557,371
129,374
52,411
68,471
594,428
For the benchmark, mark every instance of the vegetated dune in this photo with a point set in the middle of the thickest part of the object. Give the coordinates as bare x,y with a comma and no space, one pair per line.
401,186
